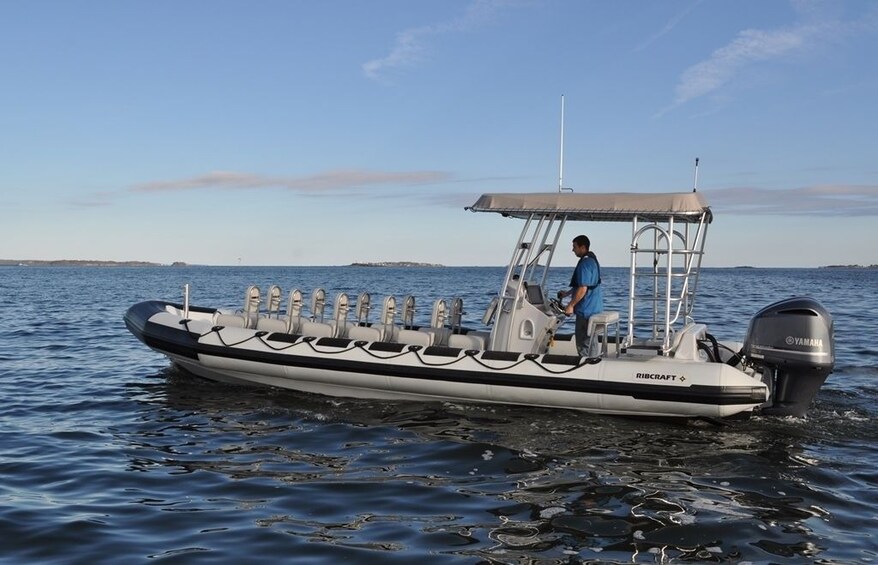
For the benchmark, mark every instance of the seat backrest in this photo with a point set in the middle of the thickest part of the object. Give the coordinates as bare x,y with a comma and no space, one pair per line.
388,319
271,320
294,311
272,301
318,305
247,317
315,326
364,306
408,312
251,306
437,328
388,310
340,314
440,313
456,314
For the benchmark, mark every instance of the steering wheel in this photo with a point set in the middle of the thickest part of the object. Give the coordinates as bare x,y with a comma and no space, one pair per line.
557,308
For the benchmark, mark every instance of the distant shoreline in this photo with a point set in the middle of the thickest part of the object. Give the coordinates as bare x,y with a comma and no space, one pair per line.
82,263
396,264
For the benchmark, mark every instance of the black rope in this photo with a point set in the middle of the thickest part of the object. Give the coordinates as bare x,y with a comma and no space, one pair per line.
362,345
485,365
310,340
585,361
421,359
217,330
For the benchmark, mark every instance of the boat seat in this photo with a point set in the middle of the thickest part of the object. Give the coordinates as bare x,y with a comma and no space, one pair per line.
364,307
294,311
251,306
271,320
290,323
365,333
246,318
456,315
363,330
408,333
461,337
383,331
276,325
407,316
469,340
599,325
317,329
437,328
388,319
340,311
229,320
316,326
414,337
272,301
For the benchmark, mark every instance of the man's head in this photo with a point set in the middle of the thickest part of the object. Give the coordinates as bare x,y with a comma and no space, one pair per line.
581,245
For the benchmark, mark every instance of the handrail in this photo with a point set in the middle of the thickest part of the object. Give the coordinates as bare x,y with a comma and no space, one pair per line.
671,277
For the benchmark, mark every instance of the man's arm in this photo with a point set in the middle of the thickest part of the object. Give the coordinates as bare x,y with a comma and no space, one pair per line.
578,295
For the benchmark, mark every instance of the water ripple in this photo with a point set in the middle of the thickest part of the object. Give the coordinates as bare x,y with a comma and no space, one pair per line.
109,455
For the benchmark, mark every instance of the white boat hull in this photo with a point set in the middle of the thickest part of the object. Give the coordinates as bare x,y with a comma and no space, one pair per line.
646,386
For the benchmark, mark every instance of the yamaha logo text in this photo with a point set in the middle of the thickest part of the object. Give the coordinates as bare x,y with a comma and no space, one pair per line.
804,341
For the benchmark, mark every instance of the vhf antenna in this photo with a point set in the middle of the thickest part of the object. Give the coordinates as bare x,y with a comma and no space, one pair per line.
695,184
561,164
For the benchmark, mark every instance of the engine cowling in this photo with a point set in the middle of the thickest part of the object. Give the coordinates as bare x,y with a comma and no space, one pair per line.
792,343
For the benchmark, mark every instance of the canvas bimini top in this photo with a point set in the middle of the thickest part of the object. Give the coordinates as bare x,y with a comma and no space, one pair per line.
602,207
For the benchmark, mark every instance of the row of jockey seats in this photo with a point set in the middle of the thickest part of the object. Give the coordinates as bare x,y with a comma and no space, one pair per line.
439,332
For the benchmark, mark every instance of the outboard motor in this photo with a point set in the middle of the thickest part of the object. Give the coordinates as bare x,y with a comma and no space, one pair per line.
791,342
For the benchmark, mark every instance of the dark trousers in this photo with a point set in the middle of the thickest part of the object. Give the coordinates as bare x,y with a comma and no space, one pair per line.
582,336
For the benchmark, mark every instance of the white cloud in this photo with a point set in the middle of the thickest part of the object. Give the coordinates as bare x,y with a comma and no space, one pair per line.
752,46
410,43
321,182
669,26
819,200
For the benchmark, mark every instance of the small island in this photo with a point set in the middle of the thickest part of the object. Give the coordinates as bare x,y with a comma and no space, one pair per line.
395,264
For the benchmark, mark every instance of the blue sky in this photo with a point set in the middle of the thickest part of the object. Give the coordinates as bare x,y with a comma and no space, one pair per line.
322,133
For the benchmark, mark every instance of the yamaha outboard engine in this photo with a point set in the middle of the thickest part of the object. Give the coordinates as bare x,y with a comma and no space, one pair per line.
791,342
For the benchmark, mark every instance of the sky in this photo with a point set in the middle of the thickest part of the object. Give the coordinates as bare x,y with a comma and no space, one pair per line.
295,132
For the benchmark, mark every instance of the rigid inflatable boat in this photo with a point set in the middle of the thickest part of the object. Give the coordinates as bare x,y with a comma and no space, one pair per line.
654,361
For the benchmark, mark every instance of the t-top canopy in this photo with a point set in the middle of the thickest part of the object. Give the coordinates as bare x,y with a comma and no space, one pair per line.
602,207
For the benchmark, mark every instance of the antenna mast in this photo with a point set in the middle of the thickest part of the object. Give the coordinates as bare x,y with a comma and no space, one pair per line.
695,185
561,165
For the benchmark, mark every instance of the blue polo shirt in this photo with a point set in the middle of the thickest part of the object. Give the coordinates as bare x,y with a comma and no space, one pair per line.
588,273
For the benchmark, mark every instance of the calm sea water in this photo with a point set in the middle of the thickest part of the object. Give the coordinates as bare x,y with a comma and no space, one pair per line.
111,456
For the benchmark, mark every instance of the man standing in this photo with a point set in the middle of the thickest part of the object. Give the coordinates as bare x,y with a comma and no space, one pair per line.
587,298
